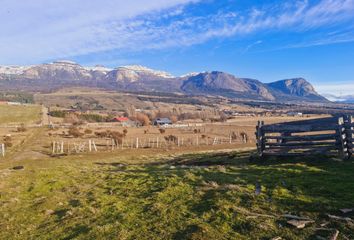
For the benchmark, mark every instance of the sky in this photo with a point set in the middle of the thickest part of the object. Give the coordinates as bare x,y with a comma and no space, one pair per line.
263,39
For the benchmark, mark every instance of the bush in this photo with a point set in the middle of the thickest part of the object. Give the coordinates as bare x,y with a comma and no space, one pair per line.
72,118
223,117
244,137
22,128
125,132
88,131
101,134
162,131
171,138
233,136
143,119
8,141
117,137
57,113
92,118
73,131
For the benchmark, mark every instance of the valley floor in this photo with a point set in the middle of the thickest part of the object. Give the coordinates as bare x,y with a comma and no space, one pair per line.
218,195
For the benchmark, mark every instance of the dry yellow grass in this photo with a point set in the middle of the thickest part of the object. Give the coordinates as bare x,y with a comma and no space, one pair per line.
19,114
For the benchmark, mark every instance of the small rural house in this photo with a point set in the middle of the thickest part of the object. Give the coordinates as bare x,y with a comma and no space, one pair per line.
162,121
120,119
294,114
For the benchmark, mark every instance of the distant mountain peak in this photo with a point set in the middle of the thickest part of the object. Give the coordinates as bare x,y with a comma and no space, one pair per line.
65,62
191,74
297,87
143,69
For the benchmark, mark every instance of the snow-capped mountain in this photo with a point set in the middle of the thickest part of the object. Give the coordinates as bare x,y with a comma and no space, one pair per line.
65,73
13,70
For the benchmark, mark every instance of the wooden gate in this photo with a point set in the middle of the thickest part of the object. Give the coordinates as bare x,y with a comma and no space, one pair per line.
328,136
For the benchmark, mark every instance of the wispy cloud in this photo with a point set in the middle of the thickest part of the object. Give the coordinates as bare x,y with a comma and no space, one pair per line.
337,89
38,30
43,29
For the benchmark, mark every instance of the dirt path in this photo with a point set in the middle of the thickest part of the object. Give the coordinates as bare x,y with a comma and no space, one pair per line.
27,148
45,116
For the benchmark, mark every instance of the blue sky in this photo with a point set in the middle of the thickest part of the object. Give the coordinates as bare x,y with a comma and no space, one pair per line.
267,40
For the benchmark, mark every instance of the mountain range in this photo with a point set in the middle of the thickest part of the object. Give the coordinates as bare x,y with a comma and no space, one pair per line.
51,76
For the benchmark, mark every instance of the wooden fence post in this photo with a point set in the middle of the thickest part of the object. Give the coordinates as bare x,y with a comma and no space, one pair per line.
342,150
53,147
260,138
2,149
349,126
94,146
62,147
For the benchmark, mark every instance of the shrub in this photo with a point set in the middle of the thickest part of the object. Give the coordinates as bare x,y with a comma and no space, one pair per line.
7,139
171,138
233,136
125,132
88,131
162,131
73,131
22,128
223,117
244,137
72,118
174,118
101,134
92,118
57,113
117,137
143,119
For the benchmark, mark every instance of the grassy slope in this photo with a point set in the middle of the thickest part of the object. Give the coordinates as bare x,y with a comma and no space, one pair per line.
84,199
19,114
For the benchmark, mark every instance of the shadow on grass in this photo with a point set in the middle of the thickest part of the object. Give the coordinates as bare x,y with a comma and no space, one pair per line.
223,187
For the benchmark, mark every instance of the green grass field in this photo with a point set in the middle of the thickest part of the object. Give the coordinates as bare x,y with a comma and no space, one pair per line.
203,196
19,114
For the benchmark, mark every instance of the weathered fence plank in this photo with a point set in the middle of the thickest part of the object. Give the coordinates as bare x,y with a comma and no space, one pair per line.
305,137
300,128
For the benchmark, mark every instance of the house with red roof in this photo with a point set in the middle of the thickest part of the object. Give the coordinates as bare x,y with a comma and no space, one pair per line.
120,119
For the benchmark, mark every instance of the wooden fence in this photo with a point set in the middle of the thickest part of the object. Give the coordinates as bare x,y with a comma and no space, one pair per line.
59,147
329,136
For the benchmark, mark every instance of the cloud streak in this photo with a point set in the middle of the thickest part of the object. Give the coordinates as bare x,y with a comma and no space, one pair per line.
38,30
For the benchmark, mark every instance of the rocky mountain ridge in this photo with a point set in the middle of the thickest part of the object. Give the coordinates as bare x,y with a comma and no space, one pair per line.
51,76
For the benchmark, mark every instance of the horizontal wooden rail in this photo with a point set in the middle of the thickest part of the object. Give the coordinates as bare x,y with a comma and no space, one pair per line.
300,128
293,144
